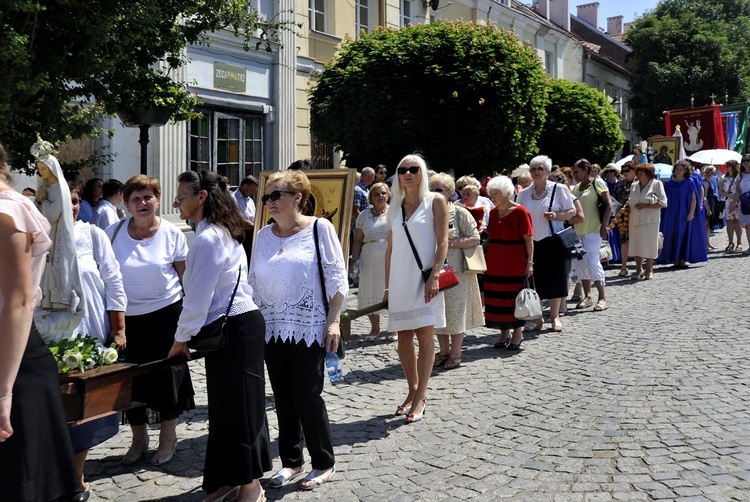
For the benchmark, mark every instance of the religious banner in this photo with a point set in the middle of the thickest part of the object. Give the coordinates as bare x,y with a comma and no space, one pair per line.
739,126
702,126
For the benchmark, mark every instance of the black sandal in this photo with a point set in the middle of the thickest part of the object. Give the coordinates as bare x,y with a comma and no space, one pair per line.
440,360
502,343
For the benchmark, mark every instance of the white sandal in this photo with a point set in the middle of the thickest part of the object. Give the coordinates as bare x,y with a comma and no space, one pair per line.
283,477
316,481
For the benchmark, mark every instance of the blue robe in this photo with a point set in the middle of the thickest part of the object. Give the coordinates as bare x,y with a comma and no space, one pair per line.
677,231
697,250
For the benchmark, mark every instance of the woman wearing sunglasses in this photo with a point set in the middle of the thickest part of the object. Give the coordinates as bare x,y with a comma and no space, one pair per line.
415,305
238,449
284,274
463,303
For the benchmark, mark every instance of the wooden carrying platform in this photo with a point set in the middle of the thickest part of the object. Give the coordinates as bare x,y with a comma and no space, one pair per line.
105,390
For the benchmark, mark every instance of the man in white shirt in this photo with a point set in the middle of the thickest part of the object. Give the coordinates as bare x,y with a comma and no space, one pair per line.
106,212
243,196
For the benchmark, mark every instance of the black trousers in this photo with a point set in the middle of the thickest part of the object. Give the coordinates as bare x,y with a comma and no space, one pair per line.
238,449
296,373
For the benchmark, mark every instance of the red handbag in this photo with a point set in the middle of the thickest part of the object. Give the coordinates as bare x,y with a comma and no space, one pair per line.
447,277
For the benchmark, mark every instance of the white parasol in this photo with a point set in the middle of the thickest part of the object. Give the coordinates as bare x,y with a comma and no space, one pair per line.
662,171
620,162
715,157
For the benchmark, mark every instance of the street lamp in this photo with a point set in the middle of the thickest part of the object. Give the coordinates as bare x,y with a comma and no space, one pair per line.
154,116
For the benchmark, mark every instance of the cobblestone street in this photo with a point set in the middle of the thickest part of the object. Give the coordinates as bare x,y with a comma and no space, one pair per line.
647,400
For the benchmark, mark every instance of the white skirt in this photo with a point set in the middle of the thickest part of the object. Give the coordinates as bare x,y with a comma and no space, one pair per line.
589,268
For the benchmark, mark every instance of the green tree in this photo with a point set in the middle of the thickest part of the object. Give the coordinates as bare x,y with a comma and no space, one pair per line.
469,97
687,49
64,64
580,123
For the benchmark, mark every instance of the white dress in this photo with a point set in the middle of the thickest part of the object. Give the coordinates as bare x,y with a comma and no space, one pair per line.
102,281
372,258
407,309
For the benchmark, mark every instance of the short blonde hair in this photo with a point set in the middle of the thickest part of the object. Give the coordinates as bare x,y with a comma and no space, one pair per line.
374,187
444,179
468,180
296,181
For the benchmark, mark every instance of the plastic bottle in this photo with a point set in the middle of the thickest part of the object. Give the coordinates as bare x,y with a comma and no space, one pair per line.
333,367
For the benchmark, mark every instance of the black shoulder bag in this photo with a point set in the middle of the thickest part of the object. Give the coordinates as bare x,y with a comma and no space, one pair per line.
571,244
341,350
215,336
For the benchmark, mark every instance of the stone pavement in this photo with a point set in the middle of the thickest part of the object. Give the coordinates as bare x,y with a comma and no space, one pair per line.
647,400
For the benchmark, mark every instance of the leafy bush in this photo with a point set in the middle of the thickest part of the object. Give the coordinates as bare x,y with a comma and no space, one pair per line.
580,123
469,97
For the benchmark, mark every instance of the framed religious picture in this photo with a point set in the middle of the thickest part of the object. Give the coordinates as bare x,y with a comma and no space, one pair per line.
666,149
331,197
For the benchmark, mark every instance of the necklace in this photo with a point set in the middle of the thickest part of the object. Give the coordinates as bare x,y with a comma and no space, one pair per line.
375,212
539,196
150,231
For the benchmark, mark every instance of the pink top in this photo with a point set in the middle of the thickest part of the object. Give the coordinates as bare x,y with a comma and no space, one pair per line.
29,220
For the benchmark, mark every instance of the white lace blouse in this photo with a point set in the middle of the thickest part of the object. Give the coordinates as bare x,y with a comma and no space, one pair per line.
286,284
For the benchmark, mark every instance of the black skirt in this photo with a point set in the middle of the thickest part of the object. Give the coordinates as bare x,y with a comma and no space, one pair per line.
168,392
239,448
551,269
36,462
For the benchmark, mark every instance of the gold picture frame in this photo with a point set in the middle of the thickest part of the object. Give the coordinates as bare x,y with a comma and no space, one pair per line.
666,149
331,197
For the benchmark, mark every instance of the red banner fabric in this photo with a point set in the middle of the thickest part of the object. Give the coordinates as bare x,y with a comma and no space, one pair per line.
702,128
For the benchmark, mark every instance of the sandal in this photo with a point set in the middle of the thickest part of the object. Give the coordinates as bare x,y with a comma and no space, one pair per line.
557,326
502,343
533,327
313,480
623,273
283,477
452,364
738,248
585,303
730,247
576,298
440,360
601,305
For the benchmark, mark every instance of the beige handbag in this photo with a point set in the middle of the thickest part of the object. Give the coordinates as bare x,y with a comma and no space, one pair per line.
474,260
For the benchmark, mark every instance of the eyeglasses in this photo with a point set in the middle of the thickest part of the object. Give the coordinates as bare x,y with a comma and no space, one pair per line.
438,190
410,169
274,196
460,188
177,199
536,169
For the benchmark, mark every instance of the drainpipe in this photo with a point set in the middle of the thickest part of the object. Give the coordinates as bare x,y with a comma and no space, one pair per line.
586,59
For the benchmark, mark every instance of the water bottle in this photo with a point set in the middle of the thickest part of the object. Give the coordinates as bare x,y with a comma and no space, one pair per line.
333,367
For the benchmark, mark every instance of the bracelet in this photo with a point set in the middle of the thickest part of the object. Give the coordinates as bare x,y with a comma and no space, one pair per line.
6,397
386,289
529,262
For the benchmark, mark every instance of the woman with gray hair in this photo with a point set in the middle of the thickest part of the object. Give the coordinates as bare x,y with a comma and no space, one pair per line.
419,228
510,252
463,303
549,204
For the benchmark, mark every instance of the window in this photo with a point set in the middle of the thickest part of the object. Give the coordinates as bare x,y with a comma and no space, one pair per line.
317,14
363,16
549,64
321,154
407,11
229,144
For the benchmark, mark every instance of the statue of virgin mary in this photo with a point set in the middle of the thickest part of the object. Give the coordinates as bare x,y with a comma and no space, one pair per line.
63,303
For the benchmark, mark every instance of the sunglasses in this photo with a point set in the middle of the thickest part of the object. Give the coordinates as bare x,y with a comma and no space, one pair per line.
438,190
410,169
625,171
274,196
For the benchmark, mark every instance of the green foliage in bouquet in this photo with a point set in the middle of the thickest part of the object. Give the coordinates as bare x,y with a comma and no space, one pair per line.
81,353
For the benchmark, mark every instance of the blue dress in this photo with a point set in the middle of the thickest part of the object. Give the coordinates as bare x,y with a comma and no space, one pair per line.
679,234
613,236
697,250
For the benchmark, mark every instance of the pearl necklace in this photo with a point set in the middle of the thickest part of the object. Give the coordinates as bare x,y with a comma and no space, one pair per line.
378,213
536,196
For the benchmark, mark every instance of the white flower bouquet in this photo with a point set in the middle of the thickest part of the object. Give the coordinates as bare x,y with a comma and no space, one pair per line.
81,353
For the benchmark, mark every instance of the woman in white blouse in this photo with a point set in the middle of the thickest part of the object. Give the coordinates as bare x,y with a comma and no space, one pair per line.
549,204
284,275
151,253
238,450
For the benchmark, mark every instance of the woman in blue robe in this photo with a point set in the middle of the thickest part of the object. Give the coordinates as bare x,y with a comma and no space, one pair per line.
698,247
676,219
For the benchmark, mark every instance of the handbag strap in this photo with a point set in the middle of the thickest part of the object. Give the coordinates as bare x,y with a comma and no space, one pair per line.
551,200
320,265
528,282
117,231
406,229
231,300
